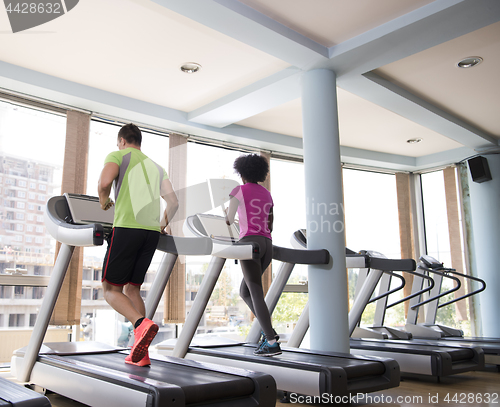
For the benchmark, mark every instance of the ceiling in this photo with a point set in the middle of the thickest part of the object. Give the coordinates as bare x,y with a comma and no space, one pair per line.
395,62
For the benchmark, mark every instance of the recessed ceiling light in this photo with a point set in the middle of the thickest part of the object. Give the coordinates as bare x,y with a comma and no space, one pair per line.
414,140
469,62
190,67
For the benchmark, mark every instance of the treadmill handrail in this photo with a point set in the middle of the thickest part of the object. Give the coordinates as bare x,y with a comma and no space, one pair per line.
419,292
221,247
389,292
287,255
392,264
58,219
436,297
462,297
185,245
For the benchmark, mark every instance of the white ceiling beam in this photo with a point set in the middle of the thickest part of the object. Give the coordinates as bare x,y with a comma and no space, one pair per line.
71,94
105,103
423,28
238,21
254,99
376,159
386,94
426,27
444,158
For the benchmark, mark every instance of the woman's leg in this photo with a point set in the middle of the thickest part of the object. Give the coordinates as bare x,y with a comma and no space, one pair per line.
245,295
253,279
252,284
264,261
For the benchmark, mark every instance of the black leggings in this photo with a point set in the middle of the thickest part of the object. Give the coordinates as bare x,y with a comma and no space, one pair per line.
251,290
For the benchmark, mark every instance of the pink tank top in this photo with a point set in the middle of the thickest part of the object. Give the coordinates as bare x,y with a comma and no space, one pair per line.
255,203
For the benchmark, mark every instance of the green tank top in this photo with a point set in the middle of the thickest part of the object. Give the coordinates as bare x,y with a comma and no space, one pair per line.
137,190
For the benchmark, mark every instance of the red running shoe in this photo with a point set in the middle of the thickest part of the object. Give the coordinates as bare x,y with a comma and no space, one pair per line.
144,335
145,361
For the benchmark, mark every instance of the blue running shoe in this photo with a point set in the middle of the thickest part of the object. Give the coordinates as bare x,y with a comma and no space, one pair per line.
263,338
268,350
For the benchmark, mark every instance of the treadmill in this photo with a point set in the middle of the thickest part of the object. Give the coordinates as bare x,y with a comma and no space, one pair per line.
422,358
439,334
428,333
15,395
298,371
96,374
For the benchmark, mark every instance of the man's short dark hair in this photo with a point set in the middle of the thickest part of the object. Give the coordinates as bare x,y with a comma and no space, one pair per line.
131,133
252,167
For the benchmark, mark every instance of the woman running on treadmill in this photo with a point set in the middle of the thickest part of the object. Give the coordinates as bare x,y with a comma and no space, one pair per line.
254,206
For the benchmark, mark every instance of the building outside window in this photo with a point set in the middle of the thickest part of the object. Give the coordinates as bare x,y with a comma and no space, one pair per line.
23,149
16,320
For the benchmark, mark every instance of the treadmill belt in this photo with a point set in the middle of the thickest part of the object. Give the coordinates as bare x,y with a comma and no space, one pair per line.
403,346
353,366
199,385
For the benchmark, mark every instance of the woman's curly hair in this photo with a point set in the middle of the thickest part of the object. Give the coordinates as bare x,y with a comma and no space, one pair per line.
252,167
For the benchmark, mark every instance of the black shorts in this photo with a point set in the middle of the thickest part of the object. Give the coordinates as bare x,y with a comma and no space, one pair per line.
129,255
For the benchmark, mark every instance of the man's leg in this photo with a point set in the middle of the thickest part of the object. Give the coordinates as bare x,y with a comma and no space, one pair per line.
121,303
146,331
133,292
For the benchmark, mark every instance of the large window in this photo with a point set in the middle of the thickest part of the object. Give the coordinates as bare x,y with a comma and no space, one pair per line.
31,158
435,216
288,191
438,241
226,314
99,321
371,212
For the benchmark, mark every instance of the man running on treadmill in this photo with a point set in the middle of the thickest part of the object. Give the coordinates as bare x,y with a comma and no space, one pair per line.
139,183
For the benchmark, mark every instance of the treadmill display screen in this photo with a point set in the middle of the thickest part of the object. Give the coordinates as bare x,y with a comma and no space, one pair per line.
87,209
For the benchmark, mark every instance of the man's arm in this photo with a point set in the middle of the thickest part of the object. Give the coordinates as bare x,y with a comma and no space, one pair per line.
168,194
108,174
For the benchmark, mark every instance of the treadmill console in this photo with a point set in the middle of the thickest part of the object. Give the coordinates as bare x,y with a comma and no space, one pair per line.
78,220
430,262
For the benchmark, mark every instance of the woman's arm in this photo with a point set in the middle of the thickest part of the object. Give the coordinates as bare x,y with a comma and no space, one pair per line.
231,212
270,220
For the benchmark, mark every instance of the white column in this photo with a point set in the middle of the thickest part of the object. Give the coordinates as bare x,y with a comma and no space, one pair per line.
484,202
328,303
